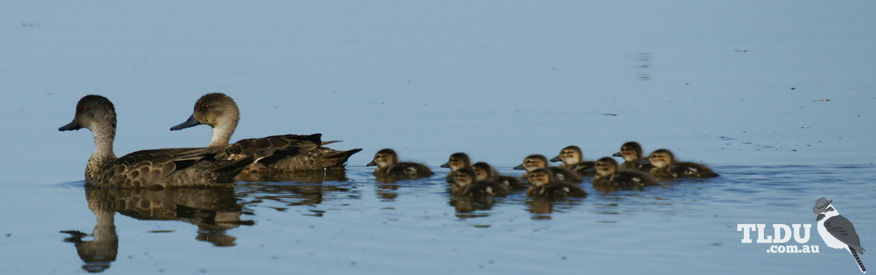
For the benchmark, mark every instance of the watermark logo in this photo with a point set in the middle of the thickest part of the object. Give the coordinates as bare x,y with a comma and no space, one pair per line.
836,231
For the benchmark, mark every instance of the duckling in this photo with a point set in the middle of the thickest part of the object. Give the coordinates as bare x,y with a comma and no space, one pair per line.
457,161
544,184
572,159
536,161
159,168
608,175
666,167
389,168
220,112
465,184
631,152
485,172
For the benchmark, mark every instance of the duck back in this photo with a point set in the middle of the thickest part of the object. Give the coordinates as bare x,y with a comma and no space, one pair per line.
556,191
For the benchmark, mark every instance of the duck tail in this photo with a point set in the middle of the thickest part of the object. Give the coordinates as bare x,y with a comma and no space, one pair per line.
343,156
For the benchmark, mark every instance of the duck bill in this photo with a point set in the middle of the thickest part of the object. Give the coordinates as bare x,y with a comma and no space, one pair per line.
188,123
519,167
556,159
372,163
73,125
617,155
445,165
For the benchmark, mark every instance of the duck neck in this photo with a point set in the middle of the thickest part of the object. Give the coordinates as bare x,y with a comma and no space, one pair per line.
221,135
103,150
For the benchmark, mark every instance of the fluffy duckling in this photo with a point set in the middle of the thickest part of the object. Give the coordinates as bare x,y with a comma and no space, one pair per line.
631,152
608,175
536,161
276,157
457,161
485,172
389,168
666,167
573,160
465,183
544,184
160,168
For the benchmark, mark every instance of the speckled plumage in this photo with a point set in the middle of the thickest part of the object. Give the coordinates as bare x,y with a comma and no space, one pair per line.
485,172
159,168
573,160
546,185
277,156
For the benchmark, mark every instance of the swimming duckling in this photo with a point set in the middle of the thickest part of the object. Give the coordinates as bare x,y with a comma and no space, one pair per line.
631,152
220,112
544,184
157,168
608,175
666,167
485,172
536,161
465,184
572,159
457,161
390,169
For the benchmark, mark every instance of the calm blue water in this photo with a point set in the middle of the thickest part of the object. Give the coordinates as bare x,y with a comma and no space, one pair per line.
776,96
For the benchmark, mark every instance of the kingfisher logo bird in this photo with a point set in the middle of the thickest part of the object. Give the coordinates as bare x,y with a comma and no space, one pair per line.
837,231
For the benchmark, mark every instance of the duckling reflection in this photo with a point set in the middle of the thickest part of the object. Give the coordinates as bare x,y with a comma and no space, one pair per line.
609,177
213,211
464,184
666,167
545,184
532,162
457,161
573,160
485,172
631,152
389,169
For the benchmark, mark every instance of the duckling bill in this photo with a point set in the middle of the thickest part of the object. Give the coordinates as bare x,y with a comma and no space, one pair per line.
158,168
390,169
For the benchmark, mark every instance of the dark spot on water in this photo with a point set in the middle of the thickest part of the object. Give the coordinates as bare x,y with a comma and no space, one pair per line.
482,226
160,231
792,88
609,114
716,244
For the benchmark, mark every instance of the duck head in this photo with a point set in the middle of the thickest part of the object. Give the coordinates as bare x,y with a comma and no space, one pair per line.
605,166
96,113
661,158
630,151
570,155
384,158
532,162
483,171
218,111
457,160
539,177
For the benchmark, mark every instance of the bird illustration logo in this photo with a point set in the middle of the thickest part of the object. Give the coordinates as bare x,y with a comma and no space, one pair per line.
837,231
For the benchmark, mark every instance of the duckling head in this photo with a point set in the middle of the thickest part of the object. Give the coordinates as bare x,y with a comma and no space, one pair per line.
605,166
483,170
570,155
457,160
219,112
539,176
384,158
661,158
532,162
464,177
630,151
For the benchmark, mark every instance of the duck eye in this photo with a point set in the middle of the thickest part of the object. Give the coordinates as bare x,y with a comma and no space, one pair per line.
83,108
206,106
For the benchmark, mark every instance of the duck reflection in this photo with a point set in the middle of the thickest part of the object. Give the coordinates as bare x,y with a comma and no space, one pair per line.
466,205
542,206
293,194
309,176
213,211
